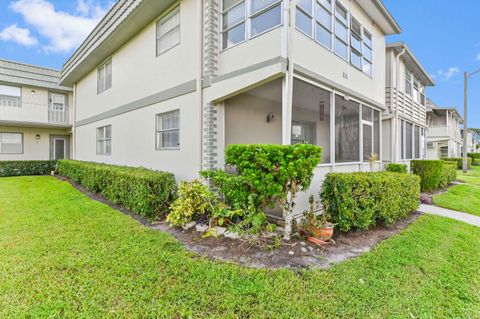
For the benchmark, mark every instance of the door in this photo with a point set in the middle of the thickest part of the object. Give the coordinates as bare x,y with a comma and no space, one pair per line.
59,148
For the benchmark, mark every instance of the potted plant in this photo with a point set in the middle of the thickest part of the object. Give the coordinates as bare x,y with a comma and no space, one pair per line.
317,226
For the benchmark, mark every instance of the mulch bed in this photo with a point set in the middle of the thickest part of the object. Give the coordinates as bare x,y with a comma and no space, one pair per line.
259,253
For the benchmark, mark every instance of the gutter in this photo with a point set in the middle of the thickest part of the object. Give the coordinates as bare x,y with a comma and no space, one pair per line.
395,132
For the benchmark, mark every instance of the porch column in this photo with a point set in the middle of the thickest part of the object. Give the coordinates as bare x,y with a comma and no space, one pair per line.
287,88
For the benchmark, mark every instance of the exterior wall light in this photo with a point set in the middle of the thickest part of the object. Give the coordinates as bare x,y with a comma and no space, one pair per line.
270,117
37,137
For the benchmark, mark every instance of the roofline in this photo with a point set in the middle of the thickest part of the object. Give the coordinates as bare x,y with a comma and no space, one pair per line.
404,45
394,24
31,65
451,109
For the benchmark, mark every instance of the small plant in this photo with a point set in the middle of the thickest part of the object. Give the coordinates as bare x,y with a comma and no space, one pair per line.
372,159
194,200
317,226
396,168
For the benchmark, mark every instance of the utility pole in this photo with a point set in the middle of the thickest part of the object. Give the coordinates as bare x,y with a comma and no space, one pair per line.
465,125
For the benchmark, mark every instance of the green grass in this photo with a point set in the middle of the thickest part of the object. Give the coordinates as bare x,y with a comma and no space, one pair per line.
463,198
64,255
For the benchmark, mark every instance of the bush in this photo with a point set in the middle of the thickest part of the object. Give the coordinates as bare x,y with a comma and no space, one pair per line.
361,200
459,161
396,168
474,156
476,162
449,173
431,173
145,192
267,174
194,200
26,168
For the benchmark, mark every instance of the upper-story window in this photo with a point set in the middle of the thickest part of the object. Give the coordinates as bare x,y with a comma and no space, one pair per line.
168,31
408,82
10,96
58,102
244,19
329,23
104,77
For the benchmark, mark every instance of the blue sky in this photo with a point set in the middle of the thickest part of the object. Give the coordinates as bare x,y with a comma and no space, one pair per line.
443,34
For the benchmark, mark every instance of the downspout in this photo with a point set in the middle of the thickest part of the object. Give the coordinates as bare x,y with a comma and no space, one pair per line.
395,132
199,87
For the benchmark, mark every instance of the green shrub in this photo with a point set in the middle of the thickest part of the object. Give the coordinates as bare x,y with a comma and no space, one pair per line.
459,161
396,168
361,200
449,173
476,162
267,174
431,173
474,156
145,192
194,200
26,168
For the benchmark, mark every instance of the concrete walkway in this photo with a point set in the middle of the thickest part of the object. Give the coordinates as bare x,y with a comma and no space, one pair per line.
463,217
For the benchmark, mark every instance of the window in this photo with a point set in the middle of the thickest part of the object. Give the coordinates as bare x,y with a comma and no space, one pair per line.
104,78
356,43
168,31
371,132
416,91
367,53
416,135
314,18
303,132
408,82
304,17
237,25
408,140
168,130
104,140
347,130
10,96
376,133
341,31
11,143
57,102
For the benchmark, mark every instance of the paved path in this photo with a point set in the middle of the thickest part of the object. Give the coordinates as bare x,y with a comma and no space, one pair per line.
463,217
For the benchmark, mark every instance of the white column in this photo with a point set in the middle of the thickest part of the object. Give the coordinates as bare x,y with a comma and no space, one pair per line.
287,88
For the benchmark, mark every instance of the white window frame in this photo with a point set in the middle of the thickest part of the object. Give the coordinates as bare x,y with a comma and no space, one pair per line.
102,71
248,17
158,131
14,153
408,82
176,28
64,104
104,140
11,100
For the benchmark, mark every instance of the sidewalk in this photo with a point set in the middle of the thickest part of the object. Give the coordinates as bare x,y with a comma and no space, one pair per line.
463,217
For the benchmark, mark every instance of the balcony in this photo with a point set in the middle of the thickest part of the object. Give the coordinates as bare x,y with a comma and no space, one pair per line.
444,131
406,105
30,113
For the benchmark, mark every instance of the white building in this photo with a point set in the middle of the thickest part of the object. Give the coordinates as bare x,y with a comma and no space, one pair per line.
35,113
168,85
444,138
471,142
404,124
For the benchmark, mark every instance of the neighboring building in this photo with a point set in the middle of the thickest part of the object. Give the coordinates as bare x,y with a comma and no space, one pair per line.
35,113
471,142
168,85
444,138
405,121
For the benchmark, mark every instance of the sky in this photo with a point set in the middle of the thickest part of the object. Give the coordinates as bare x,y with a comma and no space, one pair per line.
443,35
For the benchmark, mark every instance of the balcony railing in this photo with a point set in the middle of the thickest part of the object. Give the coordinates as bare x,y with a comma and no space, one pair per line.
35,113
10,101
444,131
406,105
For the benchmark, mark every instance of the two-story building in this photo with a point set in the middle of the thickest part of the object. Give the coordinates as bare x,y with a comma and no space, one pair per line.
444,138
405,121
471,142
169,84
35,113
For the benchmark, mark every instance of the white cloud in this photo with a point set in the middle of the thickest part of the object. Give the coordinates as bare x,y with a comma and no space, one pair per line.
18,35
447,74
63,31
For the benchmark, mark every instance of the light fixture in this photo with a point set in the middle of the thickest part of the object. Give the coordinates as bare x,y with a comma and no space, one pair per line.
33,92
270,117
37,137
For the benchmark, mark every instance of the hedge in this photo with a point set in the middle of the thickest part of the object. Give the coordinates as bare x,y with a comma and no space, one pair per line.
361,200
431,173
26,168
474,156
145,192
449,173
396,168
459,161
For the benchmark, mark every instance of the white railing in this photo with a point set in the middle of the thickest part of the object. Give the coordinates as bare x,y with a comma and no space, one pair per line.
35,113
405,105
444,131
10,101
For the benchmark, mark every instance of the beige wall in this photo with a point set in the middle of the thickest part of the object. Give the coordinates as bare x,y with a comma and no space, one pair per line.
33,149
136,70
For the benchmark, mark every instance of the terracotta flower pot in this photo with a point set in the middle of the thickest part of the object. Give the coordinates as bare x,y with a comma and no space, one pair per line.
323,233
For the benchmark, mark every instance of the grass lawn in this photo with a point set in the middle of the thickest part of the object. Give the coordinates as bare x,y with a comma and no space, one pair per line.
464,198
64,255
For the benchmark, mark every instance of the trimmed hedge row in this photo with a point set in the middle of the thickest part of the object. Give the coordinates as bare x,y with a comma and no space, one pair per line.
459,161
474,156
26,168
145,192
449,173
396,168
360,200
434,174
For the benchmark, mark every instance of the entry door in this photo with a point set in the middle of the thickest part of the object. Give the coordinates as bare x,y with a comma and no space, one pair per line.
59,148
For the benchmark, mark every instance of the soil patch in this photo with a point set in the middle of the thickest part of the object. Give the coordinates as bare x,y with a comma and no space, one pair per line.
260,253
